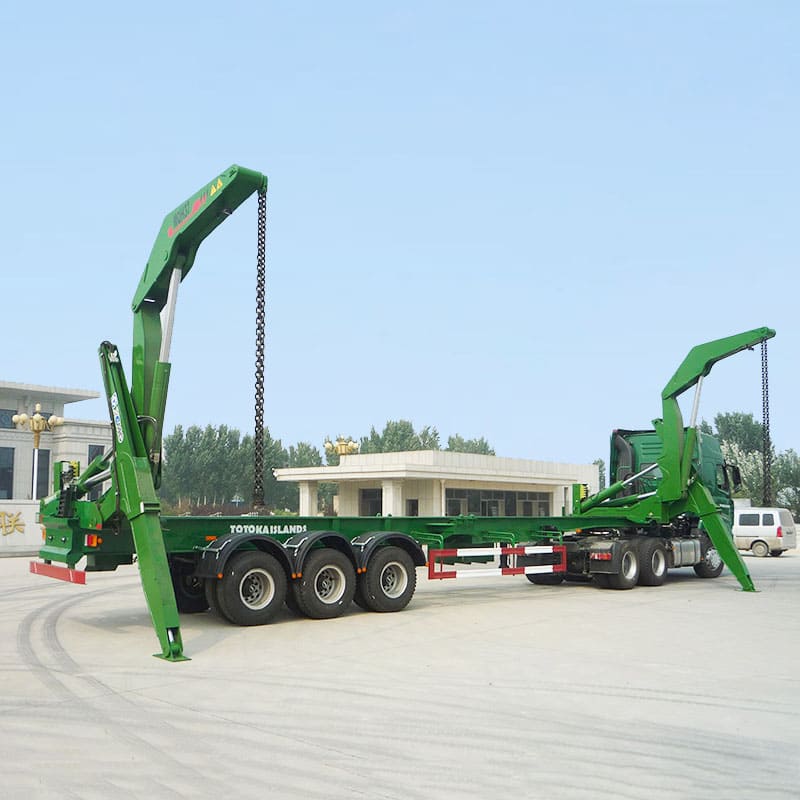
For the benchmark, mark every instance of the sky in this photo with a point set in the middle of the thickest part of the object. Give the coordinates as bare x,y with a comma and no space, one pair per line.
508,220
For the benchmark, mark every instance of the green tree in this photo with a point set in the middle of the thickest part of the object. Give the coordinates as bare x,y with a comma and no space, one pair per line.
458,444
400,436
787,481
740,429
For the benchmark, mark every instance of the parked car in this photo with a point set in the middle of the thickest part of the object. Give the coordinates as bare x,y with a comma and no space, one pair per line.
764,531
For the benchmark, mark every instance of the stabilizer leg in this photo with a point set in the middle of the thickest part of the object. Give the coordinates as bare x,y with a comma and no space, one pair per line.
719,534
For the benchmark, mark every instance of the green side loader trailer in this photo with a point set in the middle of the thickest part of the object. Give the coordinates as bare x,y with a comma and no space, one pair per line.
669,505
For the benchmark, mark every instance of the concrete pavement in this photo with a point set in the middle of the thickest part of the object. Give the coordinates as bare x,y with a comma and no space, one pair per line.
490,688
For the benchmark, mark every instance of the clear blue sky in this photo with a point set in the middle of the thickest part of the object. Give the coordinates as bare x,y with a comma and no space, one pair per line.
508,220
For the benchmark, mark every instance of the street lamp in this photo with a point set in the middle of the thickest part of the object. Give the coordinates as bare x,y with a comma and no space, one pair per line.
342,446
37,424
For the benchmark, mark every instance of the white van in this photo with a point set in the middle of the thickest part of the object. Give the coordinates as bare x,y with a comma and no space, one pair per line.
764,530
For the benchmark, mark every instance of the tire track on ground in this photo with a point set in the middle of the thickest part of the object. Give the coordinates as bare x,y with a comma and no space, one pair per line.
55,668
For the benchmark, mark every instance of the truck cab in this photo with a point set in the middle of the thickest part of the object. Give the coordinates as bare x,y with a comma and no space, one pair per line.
633,451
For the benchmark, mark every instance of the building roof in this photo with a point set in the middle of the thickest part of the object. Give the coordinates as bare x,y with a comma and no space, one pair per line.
439,464
53,393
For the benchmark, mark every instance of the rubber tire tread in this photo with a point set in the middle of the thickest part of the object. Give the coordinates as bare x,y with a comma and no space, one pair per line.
647,549
370,591
186,601
702,570
619,581
307,600
228,592
760,549
546,579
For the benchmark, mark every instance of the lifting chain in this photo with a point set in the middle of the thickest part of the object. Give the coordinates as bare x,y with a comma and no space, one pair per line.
258,441
766,499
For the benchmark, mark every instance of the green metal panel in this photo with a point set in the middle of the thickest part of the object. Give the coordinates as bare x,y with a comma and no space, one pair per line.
184,228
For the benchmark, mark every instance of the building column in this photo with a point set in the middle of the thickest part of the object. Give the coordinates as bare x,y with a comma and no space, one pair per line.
309,499
442,498
392,498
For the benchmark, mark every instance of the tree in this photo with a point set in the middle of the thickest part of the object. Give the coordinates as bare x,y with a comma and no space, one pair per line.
740,429
400,436
458,444
787,481
751,466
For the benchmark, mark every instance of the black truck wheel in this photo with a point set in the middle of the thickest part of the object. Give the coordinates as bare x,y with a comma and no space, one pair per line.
711,566
190,596
546,578
652,563
628,573
328,584
389,582
252,589
211,587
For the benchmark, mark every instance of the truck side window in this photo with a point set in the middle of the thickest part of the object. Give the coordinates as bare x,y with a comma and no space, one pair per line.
722,478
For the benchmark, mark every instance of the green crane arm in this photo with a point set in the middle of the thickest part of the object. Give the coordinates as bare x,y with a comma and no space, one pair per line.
137,415
678,443
184,229
171,258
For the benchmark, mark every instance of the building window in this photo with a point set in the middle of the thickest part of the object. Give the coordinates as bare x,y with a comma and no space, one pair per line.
5,418
42,474
412,507
95,450
6,473
495,503
370,502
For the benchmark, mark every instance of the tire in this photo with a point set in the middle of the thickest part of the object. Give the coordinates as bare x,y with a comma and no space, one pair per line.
546,578
328,584
711,566
601,579
628,573
759,549
776,553
291,598
211,589
389,582
652,563
190,596
252,589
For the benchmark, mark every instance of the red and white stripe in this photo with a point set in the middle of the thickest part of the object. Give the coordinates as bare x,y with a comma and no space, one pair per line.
465,552
61,573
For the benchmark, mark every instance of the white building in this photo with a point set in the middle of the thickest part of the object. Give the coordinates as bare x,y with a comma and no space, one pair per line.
74,440
433,483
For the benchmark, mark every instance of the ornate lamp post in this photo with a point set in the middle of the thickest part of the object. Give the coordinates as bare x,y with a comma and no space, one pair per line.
342,446
37,424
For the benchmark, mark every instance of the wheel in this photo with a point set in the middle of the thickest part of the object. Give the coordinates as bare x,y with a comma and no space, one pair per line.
291,598
211,589
759,549
546,578
389,582
776,553
628,568
602,580
328,584
711,566
652,563
190,596
252,589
